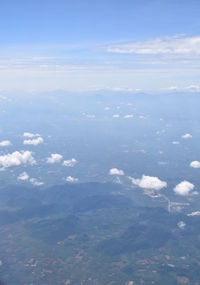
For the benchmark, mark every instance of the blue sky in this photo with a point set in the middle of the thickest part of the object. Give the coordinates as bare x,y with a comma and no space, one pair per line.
84,45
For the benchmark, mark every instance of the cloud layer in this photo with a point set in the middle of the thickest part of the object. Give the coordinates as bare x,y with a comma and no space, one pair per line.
163,46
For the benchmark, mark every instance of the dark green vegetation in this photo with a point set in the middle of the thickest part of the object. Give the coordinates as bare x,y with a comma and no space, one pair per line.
94,234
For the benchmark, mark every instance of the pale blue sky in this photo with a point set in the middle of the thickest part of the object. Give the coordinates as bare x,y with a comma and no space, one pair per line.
84,45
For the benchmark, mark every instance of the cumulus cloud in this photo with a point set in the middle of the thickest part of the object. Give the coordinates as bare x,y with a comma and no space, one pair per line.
187,136
23,176
30,135
195,164
116,171
184,188
34,141
70,163
71,179
181,225
36,182
54,158
149,182
116,116
17,158
5,143
178,45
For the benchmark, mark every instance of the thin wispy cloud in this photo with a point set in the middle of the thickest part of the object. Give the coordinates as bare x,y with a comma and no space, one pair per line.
23,176
70,162
177,45
5,143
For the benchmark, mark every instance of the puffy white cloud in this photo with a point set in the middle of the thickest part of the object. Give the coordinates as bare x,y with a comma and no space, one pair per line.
36,182
149,182
181,225
187,136
30,135
184,188
5,143
178,45
71,179
17,158
116,171
54,158
34,141
23,176
70,163
116,116
195,164
128,116
194,214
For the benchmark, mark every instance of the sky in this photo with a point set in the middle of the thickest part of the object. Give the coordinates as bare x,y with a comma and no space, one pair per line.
132,45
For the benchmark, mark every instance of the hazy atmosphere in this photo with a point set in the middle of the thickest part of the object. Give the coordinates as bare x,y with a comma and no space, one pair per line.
99,142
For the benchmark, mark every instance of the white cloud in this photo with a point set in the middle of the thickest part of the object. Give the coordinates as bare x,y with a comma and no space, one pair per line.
179,45
70,163
187,136
115,171
5,143
128,116
172,88
184,188
36,182
54,158
149,182
194,214
71,179
23,176
34,141
181,225
193,88
190,88
195,164
91,116
116,116
30,135
117,89
175,142
17,158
